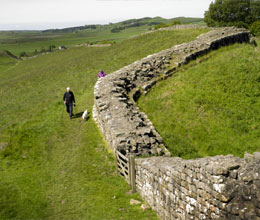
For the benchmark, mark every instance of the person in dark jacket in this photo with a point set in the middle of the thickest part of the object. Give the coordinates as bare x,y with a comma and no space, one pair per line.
69,100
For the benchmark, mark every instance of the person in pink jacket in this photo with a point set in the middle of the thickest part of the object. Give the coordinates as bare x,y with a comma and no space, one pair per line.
101,74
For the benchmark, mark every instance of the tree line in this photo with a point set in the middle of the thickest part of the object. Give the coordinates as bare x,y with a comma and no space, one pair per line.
239,13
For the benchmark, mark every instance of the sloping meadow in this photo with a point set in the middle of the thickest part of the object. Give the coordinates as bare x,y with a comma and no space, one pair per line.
211,106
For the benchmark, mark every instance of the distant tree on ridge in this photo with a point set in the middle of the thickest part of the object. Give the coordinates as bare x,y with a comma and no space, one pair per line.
239,13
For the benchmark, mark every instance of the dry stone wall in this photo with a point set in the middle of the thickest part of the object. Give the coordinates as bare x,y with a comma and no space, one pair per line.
125,127
182,26
221,187
171,28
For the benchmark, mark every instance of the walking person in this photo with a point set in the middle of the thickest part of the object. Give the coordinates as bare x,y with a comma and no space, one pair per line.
101,74
69,100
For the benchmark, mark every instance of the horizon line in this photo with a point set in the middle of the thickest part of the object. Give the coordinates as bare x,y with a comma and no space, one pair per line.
42,26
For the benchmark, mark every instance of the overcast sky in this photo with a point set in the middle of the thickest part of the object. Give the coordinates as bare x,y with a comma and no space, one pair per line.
44,14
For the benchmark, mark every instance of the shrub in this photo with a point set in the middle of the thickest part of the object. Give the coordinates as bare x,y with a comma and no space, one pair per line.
175,23
51,47
116,30
161,25
255,28
23,54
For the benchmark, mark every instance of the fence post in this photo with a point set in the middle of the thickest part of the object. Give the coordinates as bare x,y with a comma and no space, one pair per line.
132,172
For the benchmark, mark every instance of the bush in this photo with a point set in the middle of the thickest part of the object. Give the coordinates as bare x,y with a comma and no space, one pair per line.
117,29
162,25
51,47
23,54
175,23
255,28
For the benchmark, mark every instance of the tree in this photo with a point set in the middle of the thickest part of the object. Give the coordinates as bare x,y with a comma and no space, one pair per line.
240,13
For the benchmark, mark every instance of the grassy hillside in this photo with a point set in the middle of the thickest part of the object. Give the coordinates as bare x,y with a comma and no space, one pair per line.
53,167
7,60
184,20
211,106
29,41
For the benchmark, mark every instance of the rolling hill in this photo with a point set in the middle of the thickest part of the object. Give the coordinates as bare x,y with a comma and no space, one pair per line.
33,42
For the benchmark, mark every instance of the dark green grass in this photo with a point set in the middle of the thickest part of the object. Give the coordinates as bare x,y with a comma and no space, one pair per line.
210,108
53,167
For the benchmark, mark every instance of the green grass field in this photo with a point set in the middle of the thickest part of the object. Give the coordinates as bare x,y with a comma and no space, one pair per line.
29,41
26,42
211,106
53,167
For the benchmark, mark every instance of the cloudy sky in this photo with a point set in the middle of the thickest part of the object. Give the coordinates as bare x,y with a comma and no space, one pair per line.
43,14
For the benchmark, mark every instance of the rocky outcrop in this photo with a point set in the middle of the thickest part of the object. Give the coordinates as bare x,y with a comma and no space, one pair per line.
124,126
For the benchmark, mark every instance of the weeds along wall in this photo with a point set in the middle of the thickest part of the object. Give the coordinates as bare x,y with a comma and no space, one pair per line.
208,188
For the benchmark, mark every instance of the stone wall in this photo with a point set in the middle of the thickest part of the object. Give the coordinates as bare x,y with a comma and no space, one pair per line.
221,187
182,27
171,28
124,126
